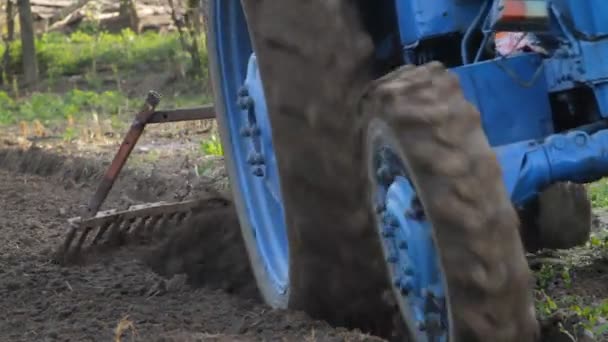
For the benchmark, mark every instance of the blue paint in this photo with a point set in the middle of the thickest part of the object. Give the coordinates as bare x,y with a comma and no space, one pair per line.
530,166
583,57
247,139
511,95
408,245
423,19
589,16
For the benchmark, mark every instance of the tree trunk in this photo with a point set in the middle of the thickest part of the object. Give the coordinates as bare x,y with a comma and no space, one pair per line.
128,12
185,28
26,23
8,39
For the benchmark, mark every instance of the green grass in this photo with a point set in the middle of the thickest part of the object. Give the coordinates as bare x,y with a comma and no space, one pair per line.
49,107
212,146
60,55
598,193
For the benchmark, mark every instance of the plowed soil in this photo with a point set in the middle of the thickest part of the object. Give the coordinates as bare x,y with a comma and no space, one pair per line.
195,285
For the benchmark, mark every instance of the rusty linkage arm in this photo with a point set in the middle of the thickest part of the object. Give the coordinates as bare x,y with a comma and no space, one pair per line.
147,115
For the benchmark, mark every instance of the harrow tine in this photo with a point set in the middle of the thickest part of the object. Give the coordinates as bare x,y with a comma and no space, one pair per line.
127,226
136,230
149,227
101,231
112,226
114,236
68,241
81,240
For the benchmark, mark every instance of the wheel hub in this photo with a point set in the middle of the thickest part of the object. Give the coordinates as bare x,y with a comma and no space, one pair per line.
409,249
260,175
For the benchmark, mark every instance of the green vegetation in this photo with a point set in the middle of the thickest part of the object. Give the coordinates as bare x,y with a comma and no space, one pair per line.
598,193
212,146
95,57
49,108
61,55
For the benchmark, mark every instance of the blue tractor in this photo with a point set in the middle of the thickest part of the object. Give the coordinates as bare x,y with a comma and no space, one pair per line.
392,160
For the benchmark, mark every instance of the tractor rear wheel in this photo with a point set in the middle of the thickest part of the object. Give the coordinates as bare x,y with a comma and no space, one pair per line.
559,218
448,229
313,248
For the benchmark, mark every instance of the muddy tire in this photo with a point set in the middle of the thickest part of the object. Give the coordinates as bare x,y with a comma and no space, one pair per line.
437,135
559,218
315,59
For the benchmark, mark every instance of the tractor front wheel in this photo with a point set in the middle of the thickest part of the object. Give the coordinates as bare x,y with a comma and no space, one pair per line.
447,227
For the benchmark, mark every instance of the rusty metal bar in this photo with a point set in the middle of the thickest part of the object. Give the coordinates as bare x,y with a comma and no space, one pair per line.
135,131
185,114
128,143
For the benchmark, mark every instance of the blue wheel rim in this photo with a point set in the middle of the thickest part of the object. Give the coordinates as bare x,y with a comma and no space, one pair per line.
409,249
250,141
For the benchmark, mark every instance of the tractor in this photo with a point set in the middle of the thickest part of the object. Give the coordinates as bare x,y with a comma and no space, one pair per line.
393,161
421,146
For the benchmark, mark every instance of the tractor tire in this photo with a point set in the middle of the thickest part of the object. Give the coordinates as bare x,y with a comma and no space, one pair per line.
437,134
315,60
559,218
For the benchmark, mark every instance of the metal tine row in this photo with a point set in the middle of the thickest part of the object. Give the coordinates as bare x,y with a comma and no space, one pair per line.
136,227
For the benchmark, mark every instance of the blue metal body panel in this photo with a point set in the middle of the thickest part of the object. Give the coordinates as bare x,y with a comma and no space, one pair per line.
512,100
422,19
588,16
530,166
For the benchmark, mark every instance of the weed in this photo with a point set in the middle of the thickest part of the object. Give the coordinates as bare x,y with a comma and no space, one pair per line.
598,193
545,305
212,146
593,317
550,274
69,134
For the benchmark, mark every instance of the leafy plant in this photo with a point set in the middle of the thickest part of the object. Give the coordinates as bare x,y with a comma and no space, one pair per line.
212,146
598,193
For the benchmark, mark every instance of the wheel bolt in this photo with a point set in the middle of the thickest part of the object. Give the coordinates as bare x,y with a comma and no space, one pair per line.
403,244
259,159
388,232
384,174
258,172
393,222
245,132
243,91
245,102
255,130
406,285
420,326
255,159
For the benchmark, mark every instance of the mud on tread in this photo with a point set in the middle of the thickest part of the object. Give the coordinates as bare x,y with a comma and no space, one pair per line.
315,59
459,182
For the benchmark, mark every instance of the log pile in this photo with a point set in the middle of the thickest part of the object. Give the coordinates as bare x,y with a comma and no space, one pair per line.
66,15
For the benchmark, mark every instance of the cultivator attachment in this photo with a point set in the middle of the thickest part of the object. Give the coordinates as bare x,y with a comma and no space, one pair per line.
93,227
138,222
